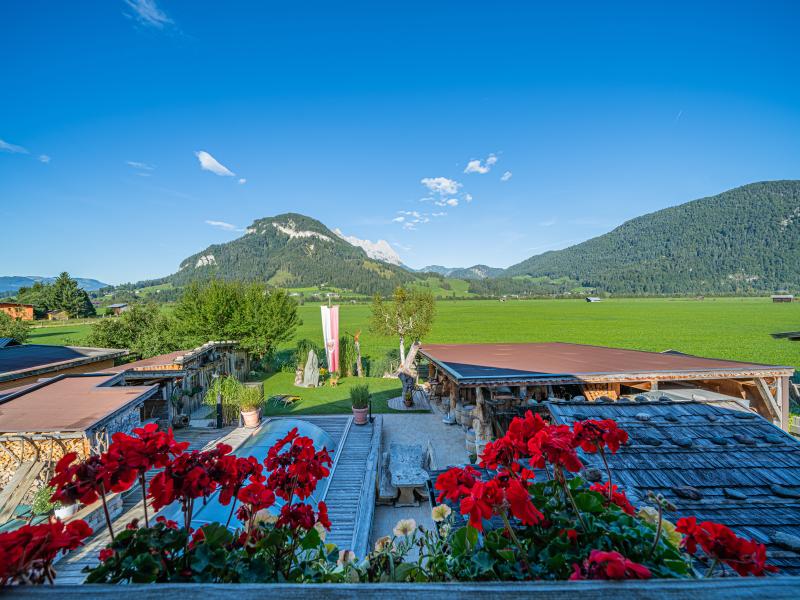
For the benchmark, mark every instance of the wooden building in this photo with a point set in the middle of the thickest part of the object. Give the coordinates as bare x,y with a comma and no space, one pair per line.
783,298
15,310
41,422
118,309
488,382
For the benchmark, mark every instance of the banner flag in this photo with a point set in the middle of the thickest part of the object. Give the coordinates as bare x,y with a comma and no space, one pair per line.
330,335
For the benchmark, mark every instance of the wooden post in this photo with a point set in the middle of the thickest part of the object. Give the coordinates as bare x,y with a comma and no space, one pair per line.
782,389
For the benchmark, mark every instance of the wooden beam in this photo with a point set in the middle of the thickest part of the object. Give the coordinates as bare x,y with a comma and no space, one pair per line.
769,399
782,393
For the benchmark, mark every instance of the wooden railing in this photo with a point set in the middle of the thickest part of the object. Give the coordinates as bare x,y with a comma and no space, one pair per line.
729,588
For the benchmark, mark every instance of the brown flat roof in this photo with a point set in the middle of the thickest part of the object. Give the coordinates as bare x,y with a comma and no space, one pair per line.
67,403
27,360
165,361
474,363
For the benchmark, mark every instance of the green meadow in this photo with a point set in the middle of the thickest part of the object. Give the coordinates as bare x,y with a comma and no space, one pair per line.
732,328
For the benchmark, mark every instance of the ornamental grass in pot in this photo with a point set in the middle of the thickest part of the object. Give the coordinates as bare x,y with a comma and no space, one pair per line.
249,400
359,397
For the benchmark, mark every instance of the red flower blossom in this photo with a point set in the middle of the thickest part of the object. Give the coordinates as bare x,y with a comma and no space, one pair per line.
187,476
456,482
232,472
79,482
296,516
719,542
554,444
322,515
168,523
27,553
105,554
128,456
609,565
617,497
592,435
296,470
254,497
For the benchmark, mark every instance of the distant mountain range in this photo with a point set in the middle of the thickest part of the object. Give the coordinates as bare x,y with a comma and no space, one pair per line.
743,241
474,272
10,284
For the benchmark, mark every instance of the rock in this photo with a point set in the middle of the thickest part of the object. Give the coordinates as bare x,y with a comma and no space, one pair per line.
311,372
688,492
773,439
298,377
664,399
641,398
593,475
671,418
579,398
578,416
744,439
787,541
649,440
711,417
744,415
681,440
734,494
643,416
719,441
784,492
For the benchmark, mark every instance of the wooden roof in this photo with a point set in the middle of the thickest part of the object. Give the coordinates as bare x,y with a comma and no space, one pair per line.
487,364
746,470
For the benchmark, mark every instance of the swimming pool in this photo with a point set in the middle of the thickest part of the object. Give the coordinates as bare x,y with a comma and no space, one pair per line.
258,445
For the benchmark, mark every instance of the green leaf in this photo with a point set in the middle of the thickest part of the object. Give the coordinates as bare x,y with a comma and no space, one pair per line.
589,502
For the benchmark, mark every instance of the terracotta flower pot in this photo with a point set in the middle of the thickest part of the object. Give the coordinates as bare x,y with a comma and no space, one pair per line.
251,418
360,416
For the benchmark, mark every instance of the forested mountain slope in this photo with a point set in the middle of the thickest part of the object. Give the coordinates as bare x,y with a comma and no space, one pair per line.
745,240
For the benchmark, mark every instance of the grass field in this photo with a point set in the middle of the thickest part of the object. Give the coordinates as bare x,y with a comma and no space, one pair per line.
732,328
327,400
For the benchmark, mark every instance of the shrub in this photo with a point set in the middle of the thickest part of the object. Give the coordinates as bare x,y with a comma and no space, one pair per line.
359,396
251,397
347,356
41,504
301,352
231,389
388,363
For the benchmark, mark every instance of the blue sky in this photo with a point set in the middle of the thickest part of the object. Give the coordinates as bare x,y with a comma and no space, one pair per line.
598,111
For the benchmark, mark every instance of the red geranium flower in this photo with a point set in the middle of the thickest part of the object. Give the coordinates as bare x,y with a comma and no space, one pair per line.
609,565
296,516
592,435
554,444
719,542
322,515
456,482
27,553
81,482
296,470
617,497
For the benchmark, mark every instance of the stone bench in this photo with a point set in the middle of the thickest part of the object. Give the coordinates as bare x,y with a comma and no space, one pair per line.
406,466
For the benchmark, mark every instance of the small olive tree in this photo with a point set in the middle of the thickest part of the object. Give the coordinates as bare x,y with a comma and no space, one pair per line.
409,315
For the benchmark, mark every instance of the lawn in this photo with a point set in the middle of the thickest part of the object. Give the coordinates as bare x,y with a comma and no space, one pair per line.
731,328
326,400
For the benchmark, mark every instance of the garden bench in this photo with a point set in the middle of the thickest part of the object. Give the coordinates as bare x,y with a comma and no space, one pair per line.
407,472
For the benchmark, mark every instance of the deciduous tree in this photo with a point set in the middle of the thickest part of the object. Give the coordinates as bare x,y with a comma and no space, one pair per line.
408,315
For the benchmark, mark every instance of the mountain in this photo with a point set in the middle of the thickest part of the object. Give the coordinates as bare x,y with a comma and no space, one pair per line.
291,250
474,272
380,250
745,240
11,284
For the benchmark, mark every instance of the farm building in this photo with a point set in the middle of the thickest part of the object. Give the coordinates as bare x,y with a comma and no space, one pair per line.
783,298
489,382
593,299
118,309
22,364
57,315
15,310
41,422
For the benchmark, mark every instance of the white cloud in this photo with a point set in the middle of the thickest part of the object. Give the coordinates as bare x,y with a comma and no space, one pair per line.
452,202
209,163
223,225
468,197
441,185
43,158
148,13
547,223
439,214
506,176
479,166
398,219
139,165
242,181
12,148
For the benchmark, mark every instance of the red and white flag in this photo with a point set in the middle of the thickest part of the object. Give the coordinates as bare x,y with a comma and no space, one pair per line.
330,334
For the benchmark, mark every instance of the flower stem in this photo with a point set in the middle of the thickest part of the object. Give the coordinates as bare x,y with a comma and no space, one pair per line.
105,511
515,539
711,568
565,486
608,472
658,532
144,498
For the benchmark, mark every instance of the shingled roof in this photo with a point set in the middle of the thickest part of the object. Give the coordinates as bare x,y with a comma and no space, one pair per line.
718,464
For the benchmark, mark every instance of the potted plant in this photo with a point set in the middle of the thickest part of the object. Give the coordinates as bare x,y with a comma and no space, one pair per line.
408,399
359,397
42,505
249,400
